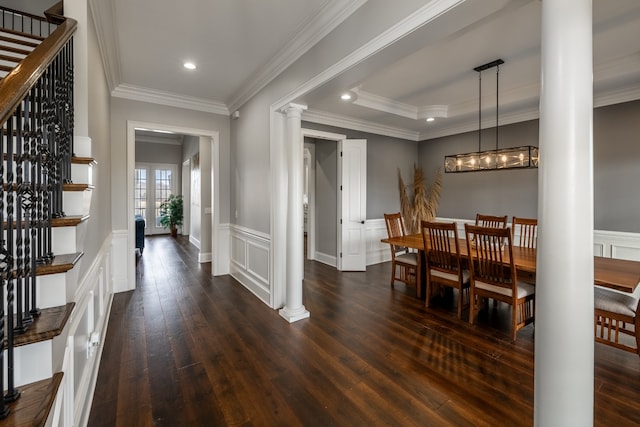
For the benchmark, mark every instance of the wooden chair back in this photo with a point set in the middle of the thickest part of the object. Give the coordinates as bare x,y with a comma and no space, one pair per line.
404,264
528,231
395,228
491,221
491,260
442,251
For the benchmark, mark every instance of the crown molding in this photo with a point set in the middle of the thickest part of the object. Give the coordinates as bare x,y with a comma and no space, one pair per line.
390,106
471,125
103,15
329,119
137,93
332,14
617,97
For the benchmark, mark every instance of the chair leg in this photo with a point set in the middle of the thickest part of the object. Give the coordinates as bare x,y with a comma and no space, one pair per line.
472,306
393,273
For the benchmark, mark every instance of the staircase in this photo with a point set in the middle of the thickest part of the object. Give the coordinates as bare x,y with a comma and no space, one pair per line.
45,196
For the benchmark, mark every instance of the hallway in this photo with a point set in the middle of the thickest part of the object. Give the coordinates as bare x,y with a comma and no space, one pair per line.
188,349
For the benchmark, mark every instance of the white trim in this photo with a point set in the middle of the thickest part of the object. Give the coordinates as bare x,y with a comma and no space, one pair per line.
194,241
103,14
326,259
391,106
143,94
205,257
330,119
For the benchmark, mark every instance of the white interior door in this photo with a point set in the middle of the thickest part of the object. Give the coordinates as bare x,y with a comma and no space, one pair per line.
353,206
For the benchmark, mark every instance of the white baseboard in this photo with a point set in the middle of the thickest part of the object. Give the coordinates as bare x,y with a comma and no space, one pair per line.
326,259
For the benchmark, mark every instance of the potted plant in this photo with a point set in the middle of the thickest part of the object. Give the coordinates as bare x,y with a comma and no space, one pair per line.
171,213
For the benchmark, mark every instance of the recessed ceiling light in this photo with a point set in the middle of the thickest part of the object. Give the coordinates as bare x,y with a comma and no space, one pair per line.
189,65
430,119
345,96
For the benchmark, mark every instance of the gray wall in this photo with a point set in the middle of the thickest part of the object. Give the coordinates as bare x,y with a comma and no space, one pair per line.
99,225
616,172
616,150
385,155
512,192
149,152
326,196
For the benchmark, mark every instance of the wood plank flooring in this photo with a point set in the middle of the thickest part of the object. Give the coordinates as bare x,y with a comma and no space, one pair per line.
188,349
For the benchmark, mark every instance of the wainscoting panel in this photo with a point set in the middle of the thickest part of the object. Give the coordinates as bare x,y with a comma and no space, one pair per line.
377,251
617,244
250,261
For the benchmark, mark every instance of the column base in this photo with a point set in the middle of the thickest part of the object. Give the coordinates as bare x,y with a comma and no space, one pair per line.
294,315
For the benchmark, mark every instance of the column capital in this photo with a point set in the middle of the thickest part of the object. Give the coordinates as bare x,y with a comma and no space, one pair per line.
293,110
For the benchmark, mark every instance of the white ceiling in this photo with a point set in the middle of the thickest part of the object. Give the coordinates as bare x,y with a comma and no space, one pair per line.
240,45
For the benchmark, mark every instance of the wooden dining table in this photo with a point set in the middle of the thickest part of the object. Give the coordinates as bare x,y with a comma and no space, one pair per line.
619,274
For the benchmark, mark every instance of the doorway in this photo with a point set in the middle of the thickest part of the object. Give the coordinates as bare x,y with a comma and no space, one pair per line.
319,185
210,145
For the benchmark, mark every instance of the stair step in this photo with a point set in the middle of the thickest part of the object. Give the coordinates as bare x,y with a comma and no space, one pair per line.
22,34
48,325
35,403
69,221
14,50
76,187
19,41
60,264
84,161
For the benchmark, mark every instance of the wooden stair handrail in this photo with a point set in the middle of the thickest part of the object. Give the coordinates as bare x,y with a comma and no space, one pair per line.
15,86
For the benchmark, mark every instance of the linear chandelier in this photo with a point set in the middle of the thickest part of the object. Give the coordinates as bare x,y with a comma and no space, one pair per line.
498,158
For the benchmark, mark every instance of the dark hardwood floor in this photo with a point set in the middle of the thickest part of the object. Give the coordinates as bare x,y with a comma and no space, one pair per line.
188,349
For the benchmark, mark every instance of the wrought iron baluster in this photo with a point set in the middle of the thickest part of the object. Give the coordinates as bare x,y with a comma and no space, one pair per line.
16,188
12,393
4,139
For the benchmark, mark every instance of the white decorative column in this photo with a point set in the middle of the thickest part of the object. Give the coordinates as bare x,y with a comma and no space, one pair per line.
564,286
293,309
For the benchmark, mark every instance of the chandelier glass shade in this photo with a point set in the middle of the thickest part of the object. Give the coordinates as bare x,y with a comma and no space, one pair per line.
498,158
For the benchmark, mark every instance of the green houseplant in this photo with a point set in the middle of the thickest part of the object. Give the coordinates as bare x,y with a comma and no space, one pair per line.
171,213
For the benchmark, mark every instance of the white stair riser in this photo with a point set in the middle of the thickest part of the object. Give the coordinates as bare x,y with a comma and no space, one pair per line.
82,174
81,146
76,202
51,290
68,240
33,362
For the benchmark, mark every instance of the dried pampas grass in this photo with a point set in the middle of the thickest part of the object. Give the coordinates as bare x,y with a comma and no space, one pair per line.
424,202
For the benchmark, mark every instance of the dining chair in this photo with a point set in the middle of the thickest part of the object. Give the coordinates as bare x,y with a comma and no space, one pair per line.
493,275
404,264
616,315
527,231
491,221
442,255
